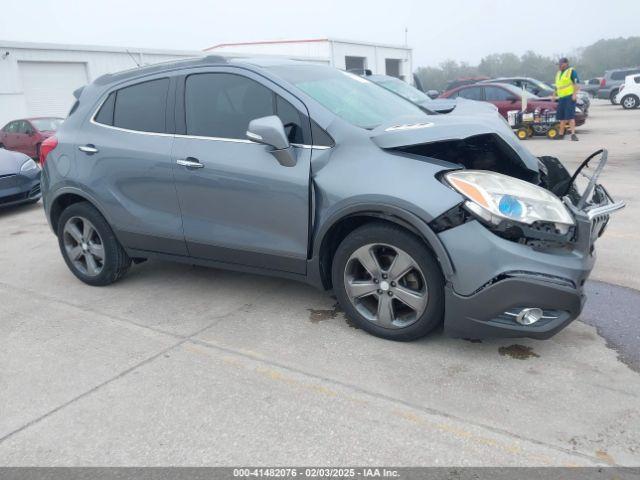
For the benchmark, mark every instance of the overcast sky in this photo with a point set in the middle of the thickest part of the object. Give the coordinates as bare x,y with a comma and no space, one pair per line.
463,30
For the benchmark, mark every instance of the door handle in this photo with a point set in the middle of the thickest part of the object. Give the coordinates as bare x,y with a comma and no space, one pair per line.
190,162
88,149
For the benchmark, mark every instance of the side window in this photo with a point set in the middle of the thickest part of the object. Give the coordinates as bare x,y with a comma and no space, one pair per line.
618,75
142,107
495,94
320,137
472,93
636,79
222,104
11,128
105,115
23,127
293,121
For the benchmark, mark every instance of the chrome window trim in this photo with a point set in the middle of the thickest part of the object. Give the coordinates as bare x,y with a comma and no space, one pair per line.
196,137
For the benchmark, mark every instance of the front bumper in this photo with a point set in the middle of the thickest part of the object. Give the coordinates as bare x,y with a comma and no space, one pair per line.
490,312
18,189
495,278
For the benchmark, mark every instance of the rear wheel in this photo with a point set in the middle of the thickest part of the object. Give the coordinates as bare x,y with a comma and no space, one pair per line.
552,133
629,102
89,246
388,282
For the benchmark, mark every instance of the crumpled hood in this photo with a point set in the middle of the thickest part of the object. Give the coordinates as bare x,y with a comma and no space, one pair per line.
409,131
10,162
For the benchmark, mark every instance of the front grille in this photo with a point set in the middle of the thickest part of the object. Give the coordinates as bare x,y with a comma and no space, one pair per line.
35,191
14,198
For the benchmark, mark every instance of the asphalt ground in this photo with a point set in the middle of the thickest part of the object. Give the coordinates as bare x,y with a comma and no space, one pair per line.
181,365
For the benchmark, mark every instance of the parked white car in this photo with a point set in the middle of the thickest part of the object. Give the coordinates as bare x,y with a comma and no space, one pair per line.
629,93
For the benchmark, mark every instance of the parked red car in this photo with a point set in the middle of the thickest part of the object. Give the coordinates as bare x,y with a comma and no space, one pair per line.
26,135
506,97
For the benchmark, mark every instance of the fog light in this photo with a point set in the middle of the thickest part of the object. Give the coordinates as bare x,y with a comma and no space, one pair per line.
529,316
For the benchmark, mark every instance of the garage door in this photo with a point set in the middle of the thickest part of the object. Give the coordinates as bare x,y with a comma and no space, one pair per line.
48,86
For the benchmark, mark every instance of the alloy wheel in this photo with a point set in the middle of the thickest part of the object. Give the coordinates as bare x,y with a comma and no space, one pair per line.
629,102
83,246
386,285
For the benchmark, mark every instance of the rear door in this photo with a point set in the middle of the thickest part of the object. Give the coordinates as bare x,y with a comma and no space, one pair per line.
124,159
241,206
22,138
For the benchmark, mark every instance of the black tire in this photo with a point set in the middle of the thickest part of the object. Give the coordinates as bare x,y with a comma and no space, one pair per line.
612,97
630,102
394,236
116,262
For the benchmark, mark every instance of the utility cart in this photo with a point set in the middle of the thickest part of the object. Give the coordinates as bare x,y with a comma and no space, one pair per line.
528,124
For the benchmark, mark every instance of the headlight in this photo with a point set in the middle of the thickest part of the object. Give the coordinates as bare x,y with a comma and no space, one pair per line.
494,197
28,166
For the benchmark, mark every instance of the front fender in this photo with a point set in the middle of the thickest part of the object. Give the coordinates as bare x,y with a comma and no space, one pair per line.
374,207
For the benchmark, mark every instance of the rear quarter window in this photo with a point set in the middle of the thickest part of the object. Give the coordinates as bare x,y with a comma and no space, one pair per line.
141,107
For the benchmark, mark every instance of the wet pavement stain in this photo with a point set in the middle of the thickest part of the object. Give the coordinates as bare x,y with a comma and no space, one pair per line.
18,232
319,315
519,352
605,457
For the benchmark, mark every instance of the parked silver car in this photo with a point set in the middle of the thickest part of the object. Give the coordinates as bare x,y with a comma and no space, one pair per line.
610,83
316,174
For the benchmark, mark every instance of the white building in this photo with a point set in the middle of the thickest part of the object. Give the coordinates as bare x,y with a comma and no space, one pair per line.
391,60
39,79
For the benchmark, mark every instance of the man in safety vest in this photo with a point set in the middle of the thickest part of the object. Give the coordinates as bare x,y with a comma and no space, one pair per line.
567,87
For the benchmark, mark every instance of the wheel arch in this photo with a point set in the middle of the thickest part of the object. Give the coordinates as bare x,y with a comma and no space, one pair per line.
66,198
337,227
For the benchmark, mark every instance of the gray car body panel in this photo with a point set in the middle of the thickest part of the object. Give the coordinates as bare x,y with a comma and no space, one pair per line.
262,217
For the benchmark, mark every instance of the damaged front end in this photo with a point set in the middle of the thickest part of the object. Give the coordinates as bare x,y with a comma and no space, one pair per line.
589,211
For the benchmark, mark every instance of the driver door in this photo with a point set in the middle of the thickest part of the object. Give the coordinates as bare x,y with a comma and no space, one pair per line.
239,205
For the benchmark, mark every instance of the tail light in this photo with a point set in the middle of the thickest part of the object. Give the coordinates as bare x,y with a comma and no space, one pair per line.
603,83
45,149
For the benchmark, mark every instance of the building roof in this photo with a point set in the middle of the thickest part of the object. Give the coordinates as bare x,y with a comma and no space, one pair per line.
307,40
95,48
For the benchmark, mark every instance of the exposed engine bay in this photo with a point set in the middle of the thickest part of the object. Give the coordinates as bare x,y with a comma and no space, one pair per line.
480,152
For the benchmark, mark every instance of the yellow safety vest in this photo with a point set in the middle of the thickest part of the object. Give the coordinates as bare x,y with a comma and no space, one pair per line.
564,84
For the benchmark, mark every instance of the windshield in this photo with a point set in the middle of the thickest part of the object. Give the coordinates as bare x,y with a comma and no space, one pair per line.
358,101
47,124
402,88
542,87
519,92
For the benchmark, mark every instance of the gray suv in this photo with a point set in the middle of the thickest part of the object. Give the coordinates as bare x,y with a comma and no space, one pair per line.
311,173
611,82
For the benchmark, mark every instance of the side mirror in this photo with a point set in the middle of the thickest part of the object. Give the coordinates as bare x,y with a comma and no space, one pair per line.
513,99
270,131
31,132
432,94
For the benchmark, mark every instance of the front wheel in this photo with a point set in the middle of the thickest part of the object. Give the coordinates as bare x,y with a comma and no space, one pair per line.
612,97
388,282
89,247
630,102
